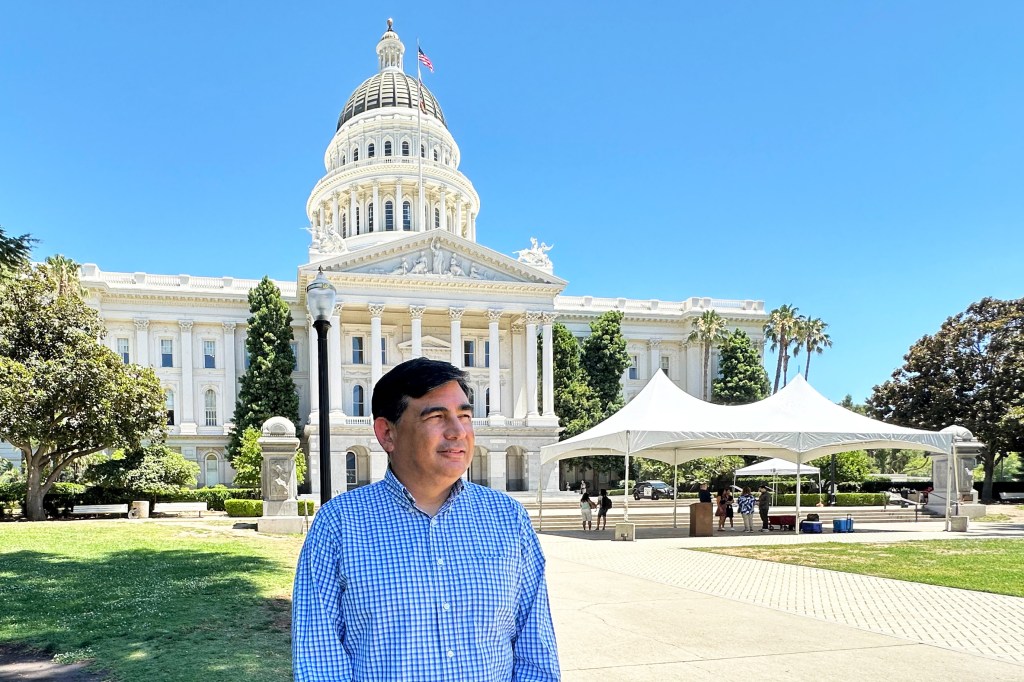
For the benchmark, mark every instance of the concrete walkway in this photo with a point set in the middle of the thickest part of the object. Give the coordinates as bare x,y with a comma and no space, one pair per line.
655,610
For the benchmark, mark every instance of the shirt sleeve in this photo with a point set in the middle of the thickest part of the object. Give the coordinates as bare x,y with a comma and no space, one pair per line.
318,625
535,651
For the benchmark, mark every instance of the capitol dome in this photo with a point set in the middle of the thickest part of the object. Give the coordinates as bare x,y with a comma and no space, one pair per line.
389,88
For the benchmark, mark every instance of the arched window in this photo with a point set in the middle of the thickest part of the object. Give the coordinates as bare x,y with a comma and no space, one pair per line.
387,148
358,404
389,216
344,224
437,218
435,155
369,217
169,406
210,403
423,150
487,402
342,159
355,154
405,148
370,150
356,224
212,470
350,468
406,216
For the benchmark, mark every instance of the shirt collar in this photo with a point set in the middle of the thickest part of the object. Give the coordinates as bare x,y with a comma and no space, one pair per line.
405,498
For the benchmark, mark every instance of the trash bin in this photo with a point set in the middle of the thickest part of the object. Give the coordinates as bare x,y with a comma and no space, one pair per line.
139,510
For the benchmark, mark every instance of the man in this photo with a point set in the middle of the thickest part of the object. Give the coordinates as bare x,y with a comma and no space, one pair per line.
603,508
422,576
704,495
764,502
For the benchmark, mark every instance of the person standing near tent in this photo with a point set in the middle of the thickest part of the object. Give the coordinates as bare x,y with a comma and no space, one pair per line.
704,495
764,503
602,512
720,512
728,509
746,505
587,507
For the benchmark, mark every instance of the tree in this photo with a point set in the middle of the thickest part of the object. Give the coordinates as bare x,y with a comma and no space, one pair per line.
63,275
266,389
848,403
969,373
146,471
708,331
780,329
896,461
605,359
63,394
248,462
741,378
812,339
851,467
14,252
575,403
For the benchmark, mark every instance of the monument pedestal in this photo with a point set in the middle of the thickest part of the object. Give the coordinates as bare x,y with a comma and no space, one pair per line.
281,525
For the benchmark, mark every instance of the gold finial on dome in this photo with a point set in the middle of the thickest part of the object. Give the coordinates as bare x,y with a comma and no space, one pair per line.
391,22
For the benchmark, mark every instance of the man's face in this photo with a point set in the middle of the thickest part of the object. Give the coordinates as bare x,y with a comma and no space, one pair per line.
431,446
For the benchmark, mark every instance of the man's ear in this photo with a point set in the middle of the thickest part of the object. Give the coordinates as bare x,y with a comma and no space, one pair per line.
385,432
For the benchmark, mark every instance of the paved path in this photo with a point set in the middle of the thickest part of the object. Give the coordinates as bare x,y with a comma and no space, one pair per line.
660,610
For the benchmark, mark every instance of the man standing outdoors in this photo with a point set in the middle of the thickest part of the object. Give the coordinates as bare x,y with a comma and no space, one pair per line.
764,503
422,576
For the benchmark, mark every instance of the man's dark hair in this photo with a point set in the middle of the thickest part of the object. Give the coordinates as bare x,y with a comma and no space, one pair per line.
412,379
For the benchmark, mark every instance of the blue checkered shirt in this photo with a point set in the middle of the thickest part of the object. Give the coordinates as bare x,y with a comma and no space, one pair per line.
385,592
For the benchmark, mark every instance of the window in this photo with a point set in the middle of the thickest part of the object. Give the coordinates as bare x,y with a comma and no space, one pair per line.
369,217
435,155
295,354
406,216
355,155
487,353
356,223
634,369
358,405
210,354
370,151
387,148
437,218
487,402
468,353
342,159
350,468
246,360
169,406
344,224
210,403
357,350
167,352
212,470
122,350
389,216
664,364
423,151
383,351
405,149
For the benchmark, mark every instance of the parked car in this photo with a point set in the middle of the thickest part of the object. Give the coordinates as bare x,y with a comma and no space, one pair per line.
654,490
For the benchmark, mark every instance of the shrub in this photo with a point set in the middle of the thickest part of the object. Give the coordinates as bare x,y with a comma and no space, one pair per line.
236,507
61,496
842,499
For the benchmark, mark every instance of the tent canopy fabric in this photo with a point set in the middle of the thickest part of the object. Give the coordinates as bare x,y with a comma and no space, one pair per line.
776,467
797,424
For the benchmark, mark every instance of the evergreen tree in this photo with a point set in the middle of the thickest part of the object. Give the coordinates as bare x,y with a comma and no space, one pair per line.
248,462
605,359
742,378
575,403
267,389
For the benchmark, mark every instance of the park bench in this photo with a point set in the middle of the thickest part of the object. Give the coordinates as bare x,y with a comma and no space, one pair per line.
97,509
179,507
1015,498
896,498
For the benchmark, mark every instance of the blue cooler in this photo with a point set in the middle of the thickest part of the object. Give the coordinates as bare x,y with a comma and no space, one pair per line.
810,526
843,525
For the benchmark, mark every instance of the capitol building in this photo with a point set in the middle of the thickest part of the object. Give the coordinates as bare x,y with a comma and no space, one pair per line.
394,225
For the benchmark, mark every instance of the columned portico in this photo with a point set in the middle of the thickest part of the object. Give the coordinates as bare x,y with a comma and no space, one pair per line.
142,341
314,381
494,375
654,347
548,371
334,363
376,366
229,372
455,315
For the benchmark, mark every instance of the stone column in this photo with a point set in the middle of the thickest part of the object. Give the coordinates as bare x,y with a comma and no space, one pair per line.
378,225
548,386
416,312
376,366
188,405
336,214
352,230
314,382
334,339
142,341
399,214
444,209
531,362
458,215
654,346
320,214
456,336
693,370
493,318
518,406
229,372
421,207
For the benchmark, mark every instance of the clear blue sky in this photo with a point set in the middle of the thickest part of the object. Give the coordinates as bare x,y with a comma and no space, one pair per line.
860,160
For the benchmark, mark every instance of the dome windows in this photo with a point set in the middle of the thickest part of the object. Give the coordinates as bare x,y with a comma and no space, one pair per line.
369,217
355,154
406,216
387,148
389,216
405,148
370,150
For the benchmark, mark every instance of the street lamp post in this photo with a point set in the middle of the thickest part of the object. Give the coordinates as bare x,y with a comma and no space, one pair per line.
320,298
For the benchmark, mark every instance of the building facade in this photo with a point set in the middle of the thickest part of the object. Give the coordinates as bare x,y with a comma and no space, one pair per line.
393,225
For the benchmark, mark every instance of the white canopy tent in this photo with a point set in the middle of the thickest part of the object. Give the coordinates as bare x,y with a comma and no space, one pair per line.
777,467
797,424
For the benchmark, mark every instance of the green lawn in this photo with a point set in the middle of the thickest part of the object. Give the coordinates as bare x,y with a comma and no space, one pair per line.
148,601
984,565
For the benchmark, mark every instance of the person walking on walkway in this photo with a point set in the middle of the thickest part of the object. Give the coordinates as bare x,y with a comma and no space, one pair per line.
602,512
720,511
728,509
587,507
764,503
746,505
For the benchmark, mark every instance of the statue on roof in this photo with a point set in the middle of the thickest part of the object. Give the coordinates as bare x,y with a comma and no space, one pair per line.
536,255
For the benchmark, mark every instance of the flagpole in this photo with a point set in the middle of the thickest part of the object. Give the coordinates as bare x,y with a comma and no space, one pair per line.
419,140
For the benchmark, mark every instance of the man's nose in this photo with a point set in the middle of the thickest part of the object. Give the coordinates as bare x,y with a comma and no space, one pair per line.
456,429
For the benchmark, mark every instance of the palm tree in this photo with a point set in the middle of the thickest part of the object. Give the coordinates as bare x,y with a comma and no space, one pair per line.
63,273
708,330
813,339
780,329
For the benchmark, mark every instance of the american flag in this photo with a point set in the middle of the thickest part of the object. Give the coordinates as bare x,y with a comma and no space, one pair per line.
425,60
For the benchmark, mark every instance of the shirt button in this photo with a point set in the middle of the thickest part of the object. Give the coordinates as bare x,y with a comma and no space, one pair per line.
440,562
445,607
451,654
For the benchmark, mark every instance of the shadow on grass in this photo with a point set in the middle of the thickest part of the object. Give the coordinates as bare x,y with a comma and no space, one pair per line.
151,614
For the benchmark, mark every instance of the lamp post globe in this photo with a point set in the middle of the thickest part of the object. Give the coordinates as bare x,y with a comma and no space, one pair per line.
320,299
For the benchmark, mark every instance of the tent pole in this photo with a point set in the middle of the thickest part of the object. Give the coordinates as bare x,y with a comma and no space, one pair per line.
625,490
796,526
675,487
949,477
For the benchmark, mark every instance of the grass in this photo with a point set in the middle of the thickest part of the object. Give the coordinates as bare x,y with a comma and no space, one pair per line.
147,601
984,565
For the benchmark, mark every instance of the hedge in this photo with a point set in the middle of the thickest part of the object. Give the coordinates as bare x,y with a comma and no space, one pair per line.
61,497
250,508
842,499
